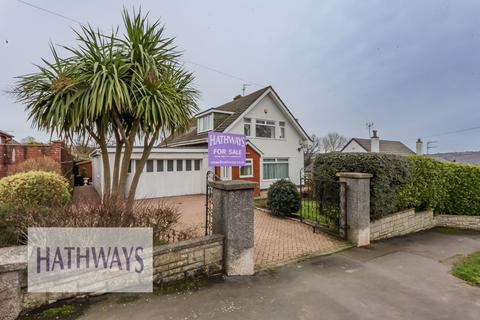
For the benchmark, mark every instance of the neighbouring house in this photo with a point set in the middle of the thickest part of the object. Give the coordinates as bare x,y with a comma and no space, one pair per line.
13,153
178,166
472,157
374,144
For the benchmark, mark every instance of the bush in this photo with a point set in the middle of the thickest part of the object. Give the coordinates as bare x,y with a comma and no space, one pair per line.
161,217
34,189
46,164
445,187
390,173
283,198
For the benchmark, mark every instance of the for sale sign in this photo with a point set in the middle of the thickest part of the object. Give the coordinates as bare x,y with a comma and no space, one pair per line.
226,149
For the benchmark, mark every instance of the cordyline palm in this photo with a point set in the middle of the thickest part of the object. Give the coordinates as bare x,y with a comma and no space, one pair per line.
113,87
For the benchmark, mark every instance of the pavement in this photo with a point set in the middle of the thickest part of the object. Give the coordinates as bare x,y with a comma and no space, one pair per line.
401,278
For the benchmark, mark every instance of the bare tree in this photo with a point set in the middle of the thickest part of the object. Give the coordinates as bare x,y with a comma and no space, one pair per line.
333,142
311,150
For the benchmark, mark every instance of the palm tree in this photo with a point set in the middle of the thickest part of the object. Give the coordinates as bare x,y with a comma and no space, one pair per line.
120,87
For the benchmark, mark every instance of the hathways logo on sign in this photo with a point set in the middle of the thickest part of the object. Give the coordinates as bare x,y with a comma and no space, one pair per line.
225,139
90,259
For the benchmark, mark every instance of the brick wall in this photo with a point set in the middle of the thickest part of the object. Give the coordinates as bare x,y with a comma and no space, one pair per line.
13,154
191,258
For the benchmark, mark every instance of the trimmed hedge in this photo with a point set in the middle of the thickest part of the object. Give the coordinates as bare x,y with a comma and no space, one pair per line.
390,173
401,182
445,187
34,189
283,198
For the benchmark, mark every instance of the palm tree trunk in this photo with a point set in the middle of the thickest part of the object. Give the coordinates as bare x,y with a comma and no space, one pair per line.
136,178
116,166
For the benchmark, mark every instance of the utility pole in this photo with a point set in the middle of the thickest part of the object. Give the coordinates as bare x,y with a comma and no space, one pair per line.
431,145
369,126
245,85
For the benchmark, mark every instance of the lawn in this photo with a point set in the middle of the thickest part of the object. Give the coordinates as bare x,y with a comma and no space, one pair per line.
309,210
469,269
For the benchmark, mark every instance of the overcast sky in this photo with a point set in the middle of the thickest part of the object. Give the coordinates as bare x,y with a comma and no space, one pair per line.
411,67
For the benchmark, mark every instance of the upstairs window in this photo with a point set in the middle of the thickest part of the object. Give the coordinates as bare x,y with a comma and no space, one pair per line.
247,127
205,123
265,129
281,124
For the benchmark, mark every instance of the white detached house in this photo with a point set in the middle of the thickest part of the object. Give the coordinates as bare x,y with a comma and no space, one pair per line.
179,165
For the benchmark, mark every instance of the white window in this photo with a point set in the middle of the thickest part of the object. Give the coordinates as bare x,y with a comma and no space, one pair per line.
275,168
149,165
197,165
265,129
247,170
226,173
247,127
205,123
281,124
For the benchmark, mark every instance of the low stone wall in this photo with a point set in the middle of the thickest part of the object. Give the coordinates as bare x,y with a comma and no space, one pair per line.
191,258
401,223
409,221
457,221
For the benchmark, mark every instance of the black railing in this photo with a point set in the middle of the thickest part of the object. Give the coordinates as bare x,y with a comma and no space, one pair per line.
210,176
323,204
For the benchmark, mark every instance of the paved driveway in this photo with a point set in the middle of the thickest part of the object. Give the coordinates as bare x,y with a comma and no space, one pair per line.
277,240
403,278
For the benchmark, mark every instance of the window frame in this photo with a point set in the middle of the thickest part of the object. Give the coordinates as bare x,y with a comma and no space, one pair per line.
173,165
179,165
282,131
149,165
160,168
204,126
266,123
195,162
275,161
247,122
250,161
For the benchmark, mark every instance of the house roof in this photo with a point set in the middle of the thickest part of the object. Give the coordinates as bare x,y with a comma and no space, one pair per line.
3,133
236,108
386,146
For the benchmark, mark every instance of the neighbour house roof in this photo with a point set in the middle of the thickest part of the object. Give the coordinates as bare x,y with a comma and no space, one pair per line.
472,157
3,133
386,146
232,110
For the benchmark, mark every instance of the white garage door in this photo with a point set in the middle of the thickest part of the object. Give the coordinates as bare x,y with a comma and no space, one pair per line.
170,177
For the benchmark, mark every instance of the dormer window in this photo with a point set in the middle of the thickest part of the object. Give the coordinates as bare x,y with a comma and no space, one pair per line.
205,123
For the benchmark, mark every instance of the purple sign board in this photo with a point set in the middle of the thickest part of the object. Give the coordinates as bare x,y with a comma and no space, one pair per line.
226,149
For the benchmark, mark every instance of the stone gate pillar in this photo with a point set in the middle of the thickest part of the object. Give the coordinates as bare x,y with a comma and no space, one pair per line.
358,206
233,217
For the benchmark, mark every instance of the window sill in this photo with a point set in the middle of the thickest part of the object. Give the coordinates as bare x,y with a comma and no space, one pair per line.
246,176
269,139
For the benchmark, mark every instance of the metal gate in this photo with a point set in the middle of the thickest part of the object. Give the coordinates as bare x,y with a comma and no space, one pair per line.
211,176
323,204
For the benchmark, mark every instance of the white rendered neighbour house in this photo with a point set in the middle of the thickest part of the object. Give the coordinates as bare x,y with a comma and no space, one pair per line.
274,148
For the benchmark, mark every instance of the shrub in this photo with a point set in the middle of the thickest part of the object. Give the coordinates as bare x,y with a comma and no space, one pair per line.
283,198
33,189
390,173
445,187
39,164
161,217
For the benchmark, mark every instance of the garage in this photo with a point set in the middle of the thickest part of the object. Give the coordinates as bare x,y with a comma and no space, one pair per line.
167,172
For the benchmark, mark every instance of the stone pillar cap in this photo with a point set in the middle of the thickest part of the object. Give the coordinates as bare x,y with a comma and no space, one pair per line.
230,185
354,175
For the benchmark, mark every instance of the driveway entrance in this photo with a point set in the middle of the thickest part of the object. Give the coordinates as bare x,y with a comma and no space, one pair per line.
277,240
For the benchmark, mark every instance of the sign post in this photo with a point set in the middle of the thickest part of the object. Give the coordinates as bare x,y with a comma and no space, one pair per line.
226,149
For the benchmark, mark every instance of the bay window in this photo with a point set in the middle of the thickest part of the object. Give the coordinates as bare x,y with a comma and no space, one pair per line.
265,129
275,168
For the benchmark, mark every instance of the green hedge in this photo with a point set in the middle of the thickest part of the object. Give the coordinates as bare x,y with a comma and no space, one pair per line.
283,198
390,173
409,182
445,187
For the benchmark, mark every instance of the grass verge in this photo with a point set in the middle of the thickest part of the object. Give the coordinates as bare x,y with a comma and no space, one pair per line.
469,269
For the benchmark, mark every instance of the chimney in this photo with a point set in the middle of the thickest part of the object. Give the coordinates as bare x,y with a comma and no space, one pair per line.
238,96
419,147
375,142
